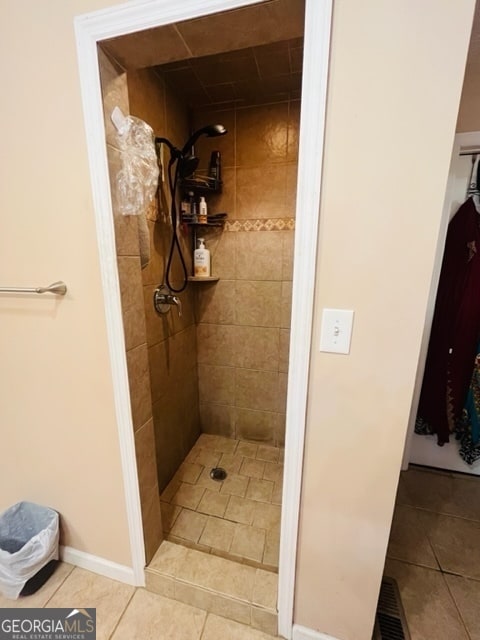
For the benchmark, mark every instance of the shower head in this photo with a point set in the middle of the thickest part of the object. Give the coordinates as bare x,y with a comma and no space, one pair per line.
187,165
211,131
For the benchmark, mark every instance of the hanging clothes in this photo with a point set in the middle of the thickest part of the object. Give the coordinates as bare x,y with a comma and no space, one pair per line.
468,428
455,329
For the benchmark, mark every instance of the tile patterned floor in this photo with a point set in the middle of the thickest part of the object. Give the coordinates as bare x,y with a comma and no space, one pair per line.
434,553
237,518
127,613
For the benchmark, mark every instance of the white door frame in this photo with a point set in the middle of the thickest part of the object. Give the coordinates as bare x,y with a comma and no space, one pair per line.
138,15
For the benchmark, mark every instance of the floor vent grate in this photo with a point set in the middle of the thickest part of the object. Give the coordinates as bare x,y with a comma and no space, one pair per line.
390,622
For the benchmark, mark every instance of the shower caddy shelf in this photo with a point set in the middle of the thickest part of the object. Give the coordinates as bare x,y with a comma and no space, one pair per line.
195,226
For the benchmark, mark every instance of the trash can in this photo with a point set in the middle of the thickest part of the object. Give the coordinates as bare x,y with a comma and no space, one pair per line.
29,536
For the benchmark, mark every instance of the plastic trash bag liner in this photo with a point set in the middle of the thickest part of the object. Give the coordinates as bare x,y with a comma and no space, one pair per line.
29,535
137,178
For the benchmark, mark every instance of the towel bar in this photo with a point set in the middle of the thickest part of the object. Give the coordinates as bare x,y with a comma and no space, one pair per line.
59,288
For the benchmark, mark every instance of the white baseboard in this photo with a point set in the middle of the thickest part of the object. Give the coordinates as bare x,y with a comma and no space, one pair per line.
95,564
303,633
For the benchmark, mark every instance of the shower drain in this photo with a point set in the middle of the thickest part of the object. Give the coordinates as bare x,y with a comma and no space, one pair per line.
390,622
217,473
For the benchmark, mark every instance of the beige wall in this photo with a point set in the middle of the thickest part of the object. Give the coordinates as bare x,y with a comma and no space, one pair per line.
59,432
393,97
244,319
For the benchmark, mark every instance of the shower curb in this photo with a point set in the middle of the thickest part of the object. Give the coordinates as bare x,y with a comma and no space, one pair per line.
226,588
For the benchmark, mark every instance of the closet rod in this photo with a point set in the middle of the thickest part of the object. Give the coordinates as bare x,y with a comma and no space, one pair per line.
59,288
470,151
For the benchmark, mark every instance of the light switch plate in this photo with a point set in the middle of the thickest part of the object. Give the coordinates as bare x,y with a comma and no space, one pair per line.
336,331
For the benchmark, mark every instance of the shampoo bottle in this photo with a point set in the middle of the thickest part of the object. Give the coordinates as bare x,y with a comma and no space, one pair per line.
202,211
201,260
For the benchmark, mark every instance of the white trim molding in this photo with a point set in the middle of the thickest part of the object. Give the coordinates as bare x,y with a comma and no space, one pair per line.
304,633
98,565
137,15
318,16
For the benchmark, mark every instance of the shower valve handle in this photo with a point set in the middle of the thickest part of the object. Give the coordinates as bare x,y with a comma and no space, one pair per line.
163,299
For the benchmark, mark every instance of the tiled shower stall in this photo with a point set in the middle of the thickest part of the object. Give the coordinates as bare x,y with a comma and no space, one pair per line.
221,368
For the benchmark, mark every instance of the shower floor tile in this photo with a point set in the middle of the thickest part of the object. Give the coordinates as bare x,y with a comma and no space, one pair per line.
236,518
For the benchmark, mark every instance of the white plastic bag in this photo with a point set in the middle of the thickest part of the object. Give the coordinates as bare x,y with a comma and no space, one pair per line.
137,178
29,537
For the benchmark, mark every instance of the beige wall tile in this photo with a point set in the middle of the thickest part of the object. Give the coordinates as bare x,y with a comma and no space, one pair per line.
286,305
170,513
259,255
272,548
151,520
148,612
265,589
139,383
217,419
291,193
168,558
248,542
256,347
113,80
283,354
129,273
231,609
256,425
146,94
157,583
218,533
189,525
294,107
288,245
224,576
266,621
216,303
262,135
216,344
282,392
145,455
225,144
261,192
280,429
159,327
222,243
256,389
258,304
193,596
216,384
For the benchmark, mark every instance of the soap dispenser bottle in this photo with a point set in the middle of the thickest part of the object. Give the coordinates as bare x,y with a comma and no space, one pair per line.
201,260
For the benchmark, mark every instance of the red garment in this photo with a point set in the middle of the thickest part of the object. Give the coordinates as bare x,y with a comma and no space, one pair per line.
456,326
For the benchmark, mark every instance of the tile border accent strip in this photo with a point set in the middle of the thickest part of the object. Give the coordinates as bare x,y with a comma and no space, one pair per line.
261,224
